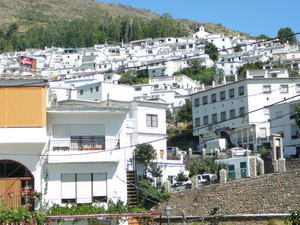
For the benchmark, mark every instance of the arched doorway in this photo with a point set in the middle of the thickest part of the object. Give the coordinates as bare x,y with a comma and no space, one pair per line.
16,183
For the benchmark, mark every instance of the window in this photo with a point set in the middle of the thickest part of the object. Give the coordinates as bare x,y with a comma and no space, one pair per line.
88,142
204,100
213,98
196,102
151,120
266,88
222,95
284,88
197,122
205,120
241,90
223,116
214,118
297,88
97,89
81,92
138,89
91,90
243,164
266,110
263,132
231,93
279,114
242,111
83,188
232,113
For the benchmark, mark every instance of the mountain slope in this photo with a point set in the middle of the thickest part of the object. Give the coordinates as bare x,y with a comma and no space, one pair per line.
29,13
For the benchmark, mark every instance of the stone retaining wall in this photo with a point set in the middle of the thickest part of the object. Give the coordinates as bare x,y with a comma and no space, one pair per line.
269,193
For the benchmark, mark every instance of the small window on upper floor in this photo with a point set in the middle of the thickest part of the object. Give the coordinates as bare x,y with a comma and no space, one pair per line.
205,120
266,89
232,113
222,95
223,116
279,114
242,111
297,88
213,98
91,89
284,88
241,90
151,120
196,102
204,100
214,118
197,122
231,93
81,92
97,89
266,110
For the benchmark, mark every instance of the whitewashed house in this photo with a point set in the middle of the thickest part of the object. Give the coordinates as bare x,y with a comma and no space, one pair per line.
239,111
282,121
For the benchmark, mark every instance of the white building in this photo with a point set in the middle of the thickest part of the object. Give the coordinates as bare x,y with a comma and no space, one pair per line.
239,111
282,121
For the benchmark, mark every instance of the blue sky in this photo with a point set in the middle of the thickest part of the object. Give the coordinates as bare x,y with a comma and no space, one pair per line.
253,17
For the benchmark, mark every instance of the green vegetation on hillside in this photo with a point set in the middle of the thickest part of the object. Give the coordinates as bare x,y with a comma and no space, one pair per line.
86,33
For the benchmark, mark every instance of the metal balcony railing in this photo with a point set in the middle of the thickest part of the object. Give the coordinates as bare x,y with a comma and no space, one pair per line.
83,145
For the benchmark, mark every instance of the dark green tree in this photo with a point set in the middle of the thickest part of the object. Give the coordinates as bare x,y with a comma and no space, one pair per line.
241,71
144,154
185,113
293,73
154,169
212,51
263,37
127,78
293,219
195,66
297,115
181,177
238,48
169,116
150,196
286,35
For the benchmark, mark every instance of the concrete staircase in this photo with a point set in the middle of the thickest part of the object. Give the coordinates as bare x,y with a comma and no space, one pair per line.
132,192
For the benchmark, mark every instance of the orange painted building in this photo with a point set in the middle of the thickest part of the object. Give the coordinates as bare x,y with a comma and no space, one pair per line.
23,114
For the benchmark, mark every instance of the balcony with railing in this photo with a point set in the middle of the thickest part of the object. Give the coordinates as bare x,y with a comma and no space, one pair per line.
84,151
83,145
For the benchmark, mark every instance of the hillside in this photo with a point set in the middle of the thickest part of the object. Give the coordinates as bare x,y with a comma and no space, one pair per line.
29,13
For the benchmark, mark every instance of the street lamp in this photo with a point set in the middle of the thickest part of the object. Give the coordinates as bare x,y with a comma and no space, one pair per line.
168,213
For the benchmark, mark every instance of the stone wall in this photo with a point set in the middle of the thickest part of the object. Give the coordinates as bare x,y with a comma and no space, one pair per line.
292,164
269,193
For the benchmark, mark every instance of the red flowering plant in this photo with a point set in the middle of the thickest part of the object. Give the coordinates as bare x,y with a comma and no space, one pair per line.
22,192
34,193
10,192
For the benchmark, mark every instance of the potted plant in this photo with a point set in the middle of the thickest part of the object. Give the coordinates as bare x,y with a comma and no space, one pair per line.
22,192
34,194
10,192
